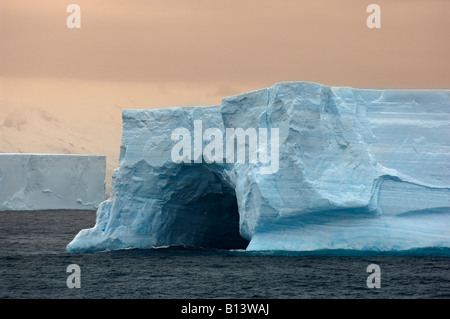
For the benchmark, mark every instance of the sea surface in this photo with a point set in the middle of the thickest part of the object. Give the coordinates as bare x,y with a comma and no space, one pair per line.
33,265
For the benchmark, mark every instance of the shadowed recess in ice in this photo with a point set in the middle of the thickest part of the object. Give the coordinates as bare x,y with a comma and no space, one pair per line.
358,169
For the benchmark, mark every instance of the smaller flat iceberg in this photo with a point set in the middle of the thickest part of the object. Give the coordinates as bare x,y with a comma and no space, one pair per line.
51,181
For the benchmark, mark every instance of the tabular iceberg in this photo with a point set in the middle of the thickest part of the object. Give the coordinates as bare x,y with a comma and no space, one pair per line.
358,169
51,181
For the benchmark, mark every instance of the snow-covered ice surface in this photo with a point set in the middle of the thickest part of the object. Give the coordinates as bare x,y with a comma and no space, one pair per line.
358,169
51,181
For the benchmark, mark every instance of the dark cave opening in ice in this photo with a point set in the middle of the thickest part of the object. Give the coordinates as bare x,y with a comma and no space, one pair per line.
203,211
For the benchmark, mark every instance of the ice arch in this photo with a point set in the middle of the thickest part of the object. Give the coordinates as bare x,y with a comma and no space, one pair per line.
202,211
156,202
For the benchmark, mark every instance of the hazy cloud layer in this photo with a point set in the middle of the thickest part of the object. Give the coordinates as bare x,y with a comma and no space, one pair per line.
259,41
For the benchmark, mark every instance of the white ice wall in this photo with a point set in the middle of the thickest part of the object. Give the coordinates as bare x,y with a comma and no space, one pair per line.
51,181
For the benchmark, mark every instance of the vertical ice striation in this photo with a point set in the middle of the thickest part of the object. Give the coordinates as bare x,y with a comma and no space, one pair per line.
358,169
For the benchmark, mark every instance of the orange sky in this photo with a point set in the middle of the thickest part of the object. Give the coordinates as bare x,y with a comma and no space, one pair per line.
256,42
159,53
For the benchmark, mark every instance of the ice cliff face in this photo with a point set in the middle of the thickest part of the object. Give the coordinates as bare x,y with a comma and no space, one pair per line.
46,181
357,169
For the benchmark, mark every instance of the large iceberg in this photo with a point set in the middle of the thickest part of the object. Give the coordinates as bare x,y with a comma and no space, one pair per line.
357,169
51,181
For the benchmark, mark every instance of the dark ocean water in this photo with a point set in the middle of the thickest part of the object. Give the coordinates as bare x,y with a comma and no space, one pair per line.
33,264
